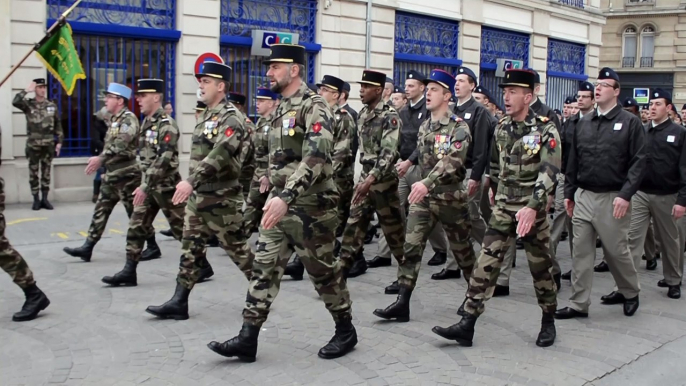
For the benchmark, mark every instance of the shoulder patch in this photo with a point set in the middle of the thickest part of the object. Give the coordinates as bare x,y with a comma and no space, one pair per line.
543,119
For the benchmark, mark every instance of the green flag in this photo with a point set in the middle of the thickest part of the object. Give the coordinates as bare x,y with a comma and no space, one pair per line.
61,59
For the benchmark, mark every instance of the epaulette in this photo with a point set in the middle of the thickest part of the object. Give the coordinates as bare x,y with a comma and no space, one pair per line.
129,112
317,98
502,119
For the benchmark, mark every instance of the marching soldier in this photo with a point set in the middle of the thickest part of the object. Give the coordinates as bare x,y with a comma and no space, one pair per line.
215,204
604,170
122,172
300,213
388,88
15,266
267,101
248,169
377,189
159,155
528,149
439,196
568,107
398,98
354,145
44,138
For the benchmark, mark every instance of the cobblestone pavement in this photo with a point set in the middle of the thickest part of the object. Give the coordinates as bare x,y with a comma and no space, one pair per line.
94,335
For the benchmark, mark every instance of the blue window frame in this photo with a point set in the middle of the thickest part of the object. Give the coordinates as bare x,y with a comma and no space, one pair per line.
566,66
118,41
240,17
423,43
500,44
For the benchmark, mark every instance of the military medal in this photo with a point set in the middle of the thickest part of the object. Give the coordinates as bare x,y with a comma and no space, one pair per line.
155,142
291,132
214,131
205,131
209,136
440,156
529,152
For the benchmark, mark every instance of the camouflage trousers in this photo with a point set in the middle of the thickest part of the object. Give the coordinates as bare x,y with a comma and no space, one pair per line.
114,189
308,229
384,200
220,213
453,215
500,233
40,157
10,260
159,198
253,206
346,188
245,179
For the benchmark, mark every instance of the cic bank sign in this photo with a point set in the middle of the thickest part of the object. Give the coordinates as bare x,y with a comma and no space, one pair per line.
262,40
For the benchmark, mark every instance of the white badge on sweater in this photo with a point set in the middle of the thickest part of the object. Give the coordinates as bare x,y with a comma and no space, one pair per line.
420,116
467,115
670,138
618,126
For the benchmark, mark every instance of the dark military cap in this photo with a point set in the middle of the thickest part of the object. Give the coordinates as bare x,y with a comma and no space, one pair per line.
557,111
312,87
442,78
467,71
265,93
332,82
150,86
200,106
644,107
236,98
416,75
398,89
215,70
286,53
519,78
537,77
389,80
39,81
586,86
373,78
683,107
674,109
629,102
346,87
484,91
570,100
660,93
608,73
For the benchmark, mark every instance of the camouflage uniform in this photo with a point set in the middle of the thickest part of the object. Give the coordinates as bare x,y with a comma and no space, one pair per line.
256,200
442,148
42,126
529,161
344,161
220,142
300,171
159,155
378,131
248,161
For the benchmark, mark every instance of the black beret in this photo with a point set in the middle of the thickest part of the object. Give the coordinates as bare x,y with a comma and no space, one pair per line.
236,98
628,102
660,93
570,100
467,71
412,74
608,73
586,86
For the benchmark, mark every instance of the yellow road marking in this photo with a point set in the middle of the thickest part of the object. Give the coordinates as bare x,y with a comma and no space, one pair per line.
84,234
62,235
21,220
116,231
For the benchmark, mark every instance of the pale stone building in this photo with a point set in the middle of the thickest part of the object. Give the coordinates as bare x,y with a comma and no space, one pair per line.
645,41
123,41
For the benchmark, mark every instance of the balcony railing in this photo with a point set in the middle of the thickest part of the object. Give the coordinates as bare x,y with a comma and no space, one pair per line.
573,3
647,61
628,61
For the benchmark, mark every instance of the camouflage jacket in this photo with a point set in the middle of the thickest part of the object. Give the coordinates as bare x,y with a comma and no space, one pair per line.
442,147
159,149
378,129
529,155
301,145
42,120
121,142
344,132
220,143
261,141
248,157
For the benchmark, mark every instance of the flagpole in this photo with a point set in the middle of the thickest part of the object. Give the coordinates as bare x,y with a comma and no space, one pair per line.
58,23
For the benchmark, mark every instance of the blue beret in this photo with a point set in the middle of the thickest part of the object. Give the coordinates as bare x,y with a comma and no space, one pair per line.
442,78
119,90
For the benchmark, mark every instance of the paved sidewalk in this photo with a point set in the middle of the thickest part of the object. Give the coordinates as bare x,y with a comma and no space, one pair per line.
95,335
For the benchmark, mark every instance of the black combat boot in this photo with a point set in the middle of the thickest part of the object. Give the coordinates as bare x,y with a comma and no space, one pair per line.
126,277
558,282
96,190
176,308
343,340
36,301
462,332
546,337
392,289
152,251
36,202
439,258
206,272
84,252
400,309
359,266
167,232
371,233
461,311
44,203
243,346
295,269
213,241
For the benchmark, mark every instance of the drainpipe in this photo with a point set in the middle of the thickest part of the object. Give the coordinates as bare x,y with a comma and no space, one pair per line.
368,49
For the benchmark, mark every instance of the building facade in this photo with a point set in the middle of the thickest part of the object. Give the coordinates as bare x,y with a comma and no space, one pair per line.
645,41
123,40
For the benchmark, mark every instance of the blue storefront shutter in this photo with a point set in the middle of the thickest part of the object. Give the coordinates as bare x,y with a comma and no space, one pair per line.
566,67
500,44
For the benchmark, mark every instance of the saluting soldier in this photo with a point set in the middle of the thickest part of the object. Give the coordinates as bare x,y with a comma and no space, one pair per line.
604,170
215,204
301,211
528,149
44,138
122,172
159,155
267,101
440,196
377,190
248,169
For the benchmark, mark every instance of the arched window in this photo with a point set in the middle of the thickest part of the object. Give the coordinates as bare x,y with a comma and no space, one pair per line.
629,47
647,46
